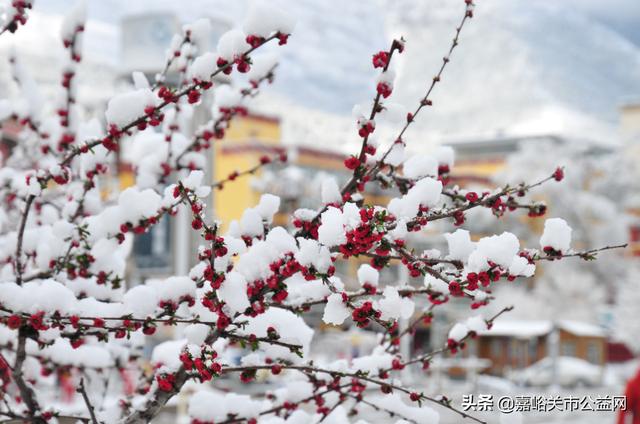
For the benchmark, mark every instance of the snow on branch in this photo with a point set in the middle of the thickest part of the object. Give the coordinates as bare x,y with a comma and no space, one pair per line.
70,316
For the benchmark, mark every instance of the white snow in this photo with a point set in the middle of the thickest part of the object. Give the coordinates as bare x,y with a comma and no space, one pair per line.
240,406
397,155
393,402
141,301
168,353
557,234
231,44
203,66
445,155
268,206
476,324
393,307
500,250
330,191
265,18
368,274
376,361
251,223
435,284
281,240
291,328
196,333
125,108
458,332
521,266
460,244
76,17
335,311
175,287
425,192
418,166
234,292
331,231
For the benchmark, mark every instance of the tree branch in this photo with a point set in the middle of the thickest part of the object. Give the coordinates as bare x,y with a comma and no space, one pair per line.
23,223
81,389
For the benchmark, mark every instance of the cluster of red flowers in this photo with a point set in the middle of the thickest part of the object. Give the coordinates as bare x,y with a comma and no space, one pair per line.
211,302
309,227
167,94
366,127
171,306
362,314
166,381
20,15
454,345
474,278
205,372
550,251
558,175
360,240
352,162
384,89
444,174
537,210
380,59
471,197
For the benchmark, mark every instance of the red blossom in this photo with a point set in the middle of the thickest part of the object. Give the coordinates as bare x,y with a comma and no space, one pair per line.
384,89
380,59
351,162
165,382
14,322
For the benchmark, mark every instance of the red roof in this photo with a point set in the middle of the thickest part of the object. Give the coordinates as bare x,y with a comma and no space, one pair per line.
618,352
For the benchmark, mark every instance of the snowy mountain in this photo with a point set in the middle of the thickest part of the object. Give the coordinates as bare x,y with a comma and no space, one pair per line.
522,67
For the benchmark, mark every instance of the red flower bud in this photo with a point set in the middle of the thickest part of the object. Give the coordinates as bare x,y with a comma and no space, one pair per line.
352,162
558,175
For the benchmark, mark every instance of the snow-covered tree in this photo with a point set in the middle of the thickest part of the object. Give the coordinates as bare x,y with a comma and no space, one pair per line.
592,200
69,320
13,13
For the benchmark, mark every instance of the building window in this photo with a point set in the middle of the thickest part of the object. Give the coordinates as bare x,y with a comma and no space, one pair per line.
568,348
513,351
520,349
422,341
152,250
533,350
593,352
496,348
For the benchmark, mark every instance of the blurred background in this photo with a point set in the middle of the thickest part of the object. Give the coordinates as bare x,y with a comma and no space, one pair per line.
532,86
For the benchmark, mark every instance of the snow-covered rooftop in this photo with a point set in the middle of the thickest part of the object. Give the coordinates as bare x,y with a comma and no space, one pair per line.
582,328
520,329
526,329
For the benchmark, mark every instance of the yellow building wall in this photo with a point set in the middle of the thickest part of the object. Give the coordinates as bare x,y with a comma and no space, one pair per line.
478,168
229,156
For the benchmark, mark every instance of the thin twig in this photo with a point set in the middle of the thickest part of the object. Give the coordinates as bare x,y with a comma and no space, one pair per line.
28,396
81,389
23,223
586,254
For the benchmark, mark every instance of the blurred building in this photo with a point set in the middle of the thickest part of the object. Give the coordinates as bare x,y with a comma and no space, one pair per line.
247,139
297,182
166,249
514,344
145,39
478,161
630,133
